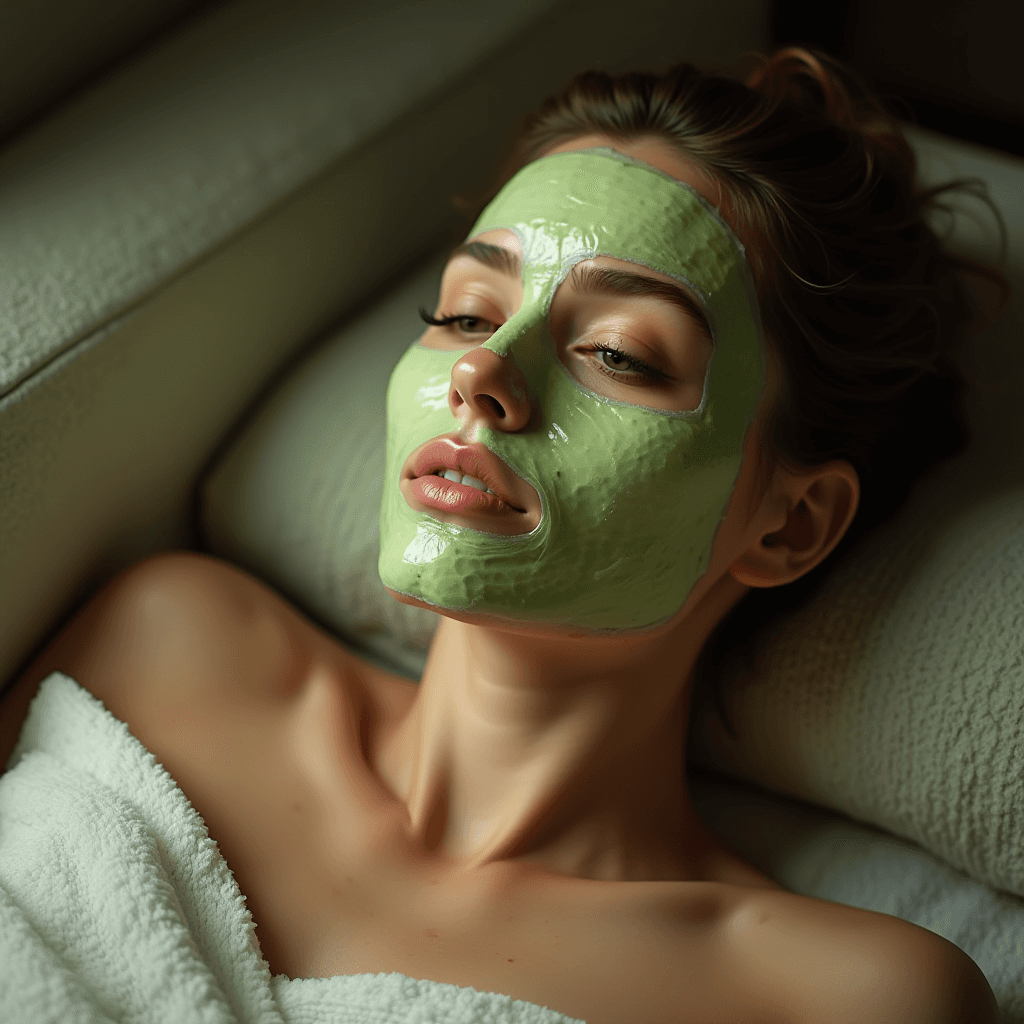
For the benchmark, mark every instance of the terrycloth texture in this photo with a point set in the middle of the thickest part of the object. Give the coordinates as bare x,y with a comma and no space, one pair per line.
115,905
398,999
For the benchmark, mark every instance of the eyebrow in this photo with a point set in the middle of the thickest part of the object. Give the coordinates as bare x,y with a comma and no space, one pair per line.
591,280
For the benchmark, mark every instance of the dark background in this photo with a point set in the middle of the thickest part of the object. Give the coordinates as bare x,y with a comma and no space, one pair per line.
956,66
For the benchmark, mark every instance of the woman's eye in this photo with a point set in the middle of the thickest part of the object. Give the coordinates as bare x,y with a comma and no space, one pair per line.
471,325
467,324
619,364
614,360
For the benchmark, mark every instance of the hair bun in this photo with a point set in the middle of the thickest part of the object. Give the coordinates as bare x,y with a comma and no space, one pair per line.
816,84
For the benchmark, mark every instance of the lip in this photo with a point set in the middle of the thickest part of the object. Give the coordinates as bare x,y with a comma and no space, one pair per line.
514,500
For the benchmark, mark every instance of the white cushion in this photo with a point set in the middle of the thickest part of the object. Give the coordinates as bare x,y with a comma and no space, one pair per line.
894,697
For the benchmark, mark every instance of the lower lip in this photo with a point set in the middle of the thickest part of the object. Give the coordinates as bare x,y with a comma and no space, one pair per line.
447,496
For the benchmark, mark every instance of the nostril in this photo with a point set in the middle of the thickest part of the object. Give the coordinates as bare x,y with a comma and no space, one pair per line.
494,404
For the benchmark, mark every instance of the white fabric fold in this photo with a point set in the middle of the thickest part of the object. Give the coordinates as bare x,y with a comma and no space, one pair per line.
116,905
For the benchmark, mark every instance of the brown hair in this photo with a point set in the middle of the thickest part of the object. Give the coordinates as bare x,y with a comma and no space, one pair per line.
862,308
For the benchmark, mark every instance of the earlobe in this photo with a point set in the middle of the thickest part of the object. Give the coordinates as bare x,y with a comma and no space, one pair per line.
819,507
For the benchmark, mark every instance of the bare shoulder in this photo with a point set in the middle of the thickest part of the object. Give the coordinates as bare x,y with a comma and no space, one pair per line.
175,627
833,963
207,618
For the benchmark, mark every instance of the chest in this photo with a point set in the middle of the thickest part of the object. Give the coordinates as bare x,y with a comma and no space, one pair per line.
332,888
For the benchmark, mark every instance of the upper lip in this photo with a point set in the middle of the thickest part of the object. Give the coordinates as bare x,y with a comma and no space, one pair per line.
472,459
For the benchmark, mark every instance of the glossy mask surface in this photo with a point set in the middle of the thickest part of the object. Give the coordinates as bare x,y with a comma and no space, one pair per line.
632,497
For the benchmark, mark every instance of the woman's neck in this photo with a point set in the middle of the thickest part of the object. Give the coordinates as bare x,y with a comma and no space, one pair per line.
567,753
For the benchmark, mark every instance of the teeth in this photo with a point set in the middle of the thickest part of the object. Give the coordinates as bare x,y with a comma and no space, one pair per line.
470,481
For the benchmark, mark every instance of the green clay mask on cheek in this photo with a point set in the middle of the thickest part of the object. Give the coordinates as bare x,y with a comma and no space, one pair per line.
631,497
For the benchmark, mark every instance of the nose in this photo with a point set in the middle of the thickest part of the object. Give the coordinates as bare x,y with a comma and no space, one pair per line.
491,390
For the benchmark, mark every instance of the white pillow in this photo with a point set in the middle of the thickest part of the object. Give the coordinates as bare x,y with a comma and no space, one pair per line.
896,696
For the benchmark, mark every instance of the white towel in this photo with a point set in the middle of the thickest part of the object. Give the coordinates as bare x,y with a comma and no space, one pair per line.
115,904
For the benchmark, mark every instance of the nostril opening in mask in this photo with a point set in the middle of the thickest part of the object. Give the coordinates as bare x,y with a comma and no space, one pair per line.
494,404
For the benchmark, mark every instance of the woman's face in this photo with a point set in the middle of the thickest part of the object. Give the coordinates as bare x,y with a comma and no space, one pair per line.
581,387
644,345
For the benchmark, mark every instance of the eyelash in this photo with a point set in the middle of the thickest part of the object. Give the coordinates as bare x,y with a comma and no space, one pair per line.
446,320
637,365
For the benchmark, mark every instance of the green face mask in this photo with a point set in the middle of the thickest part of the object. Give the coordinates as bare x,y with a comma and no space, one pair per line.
631,497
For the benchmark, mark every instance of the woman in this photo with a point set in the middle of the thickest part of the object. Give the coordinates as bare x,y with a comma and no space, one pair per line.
683,346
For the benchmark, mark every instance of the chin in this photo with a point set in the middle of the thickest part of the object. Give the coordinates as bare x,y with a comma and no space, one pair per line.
516,625
414,601
473,618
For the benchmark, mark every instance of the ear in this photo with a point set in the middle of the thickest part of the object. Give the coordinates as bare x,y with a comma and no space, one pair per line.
801,518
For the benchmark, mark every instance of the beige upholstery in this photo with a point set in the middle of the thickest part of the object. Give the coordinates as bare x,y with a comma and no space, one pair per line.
174,236
48,48
174,241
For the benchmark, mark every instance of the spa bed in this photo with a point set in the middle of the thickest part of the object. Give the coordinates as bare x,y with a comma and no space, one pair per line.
192,249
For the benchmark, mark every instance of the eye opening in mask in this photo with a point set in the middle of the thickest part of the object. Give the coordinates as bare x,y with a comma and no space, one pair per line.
654,368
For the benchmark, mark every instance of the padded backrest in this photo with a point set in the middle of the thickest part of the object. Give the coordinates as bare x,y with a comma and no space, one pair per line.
48,48
178,234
